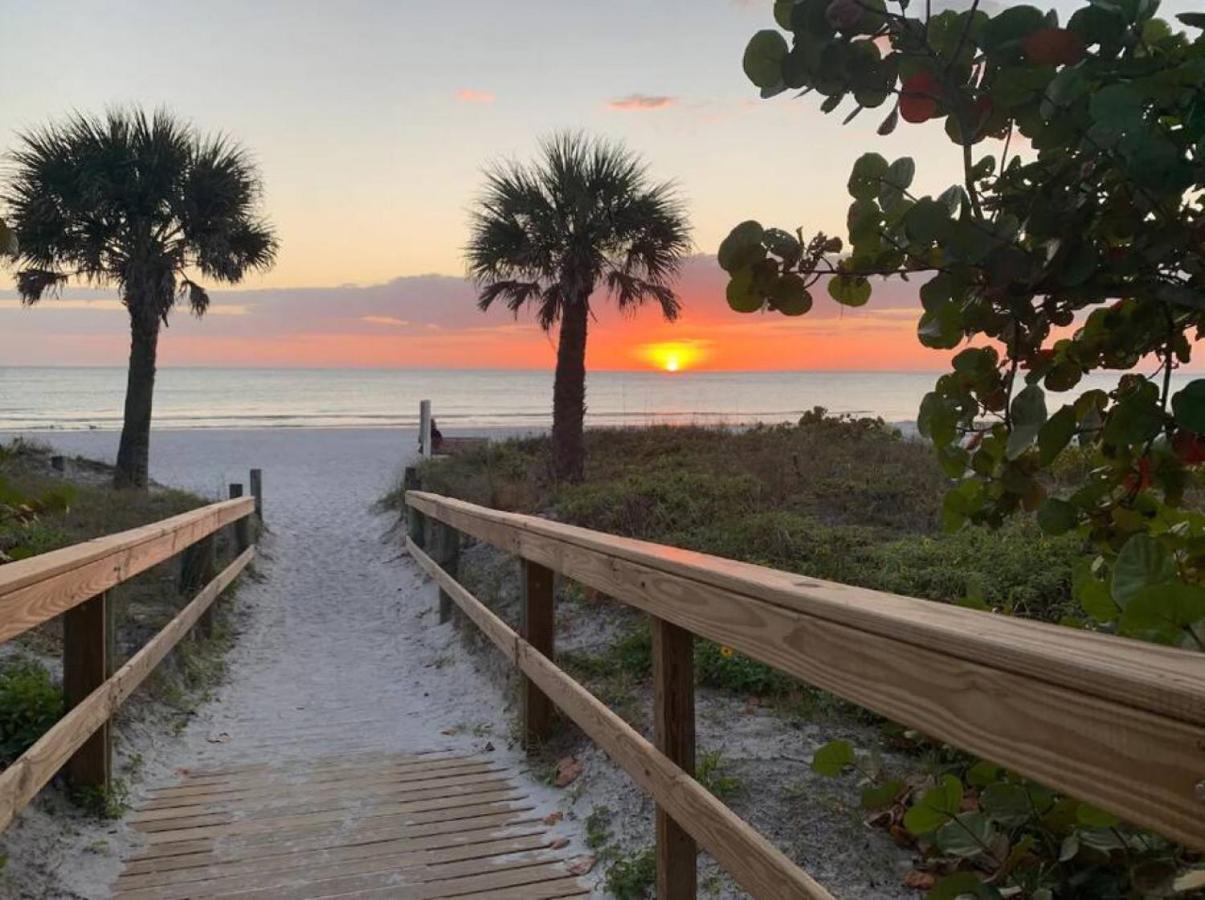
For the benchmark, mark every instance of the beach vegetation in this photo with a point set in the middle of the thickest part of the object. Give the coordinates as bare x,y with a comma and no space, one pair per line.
1072,243
30,702
586,217
143,203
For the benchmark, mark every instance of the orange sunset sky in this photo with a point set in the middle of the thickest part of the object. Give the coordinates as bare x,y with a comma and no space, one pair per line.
371,122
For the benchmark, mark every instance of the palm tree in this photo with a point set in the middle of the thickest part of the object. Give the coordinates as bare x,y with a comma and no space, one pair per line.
138,202
585,216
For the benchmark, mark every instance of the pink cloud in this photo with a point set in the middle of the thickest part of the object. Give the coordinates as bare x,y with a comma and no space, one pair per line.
469,95
642,102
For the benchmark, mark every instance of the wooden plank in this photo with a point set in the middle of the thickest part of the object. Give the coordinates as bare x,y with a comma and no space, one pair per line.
757,865
21,781
257,493
337,761
538,627
241,526
39,588
334,875
86,643
404,811
422,826
183,817
398,854
564,887
1115,722
365,783
1149,676
340,845
198,566
674,735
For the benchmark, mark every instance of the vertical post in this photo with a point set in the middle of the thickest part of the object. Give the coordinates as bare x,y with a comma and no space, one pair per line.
424,428
242,527
443,545
414,519
87,630
538,629
257,491
198,567
674,735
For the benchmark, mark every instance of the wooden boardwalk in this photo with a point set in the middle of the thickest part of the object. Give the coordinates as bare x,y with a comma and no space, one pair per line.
370,825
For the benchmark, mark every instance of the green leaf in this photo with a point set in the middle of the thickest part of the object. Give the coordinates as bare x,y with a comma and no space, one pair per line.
1095,818
927,221
1009,27
1135,419
1142,563
936,807
743,247
849,290
967,835
868,171
1188,406
876,796
1057,517
1166,608
790,295
832,758
1028,416
742,293
936,420
941,328
983,773
8,240
1094,596
961,885
1007,804
1056,434
901,172
1194,20
763,58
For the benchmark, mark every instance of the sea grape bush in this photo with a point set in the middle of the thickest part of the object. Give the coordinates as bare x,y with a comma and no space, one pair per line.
1072,243
986,833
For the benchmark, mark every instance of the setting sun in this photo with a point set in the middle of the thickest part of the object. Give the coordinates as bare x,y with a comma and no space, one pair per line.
672,356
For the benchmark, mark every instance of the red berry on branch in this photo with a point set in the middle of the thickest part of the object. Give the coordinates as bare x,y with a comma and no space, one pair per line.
918,100
1054,47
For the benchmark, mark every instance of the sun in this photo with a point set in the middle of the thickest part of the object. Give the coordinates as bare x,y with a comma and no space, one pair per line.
671,356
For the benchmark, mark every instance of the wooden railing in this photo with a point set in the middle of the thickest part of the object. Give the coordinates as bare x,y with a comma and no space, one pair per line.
1115,722
73,582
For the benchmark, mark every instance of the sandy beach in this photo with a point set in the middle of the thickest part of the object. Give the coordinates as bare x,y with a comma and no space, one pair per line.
339,652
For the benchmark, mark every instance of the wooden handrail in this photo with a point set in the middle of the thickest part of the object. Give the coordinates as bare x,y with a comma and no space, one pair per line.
1115,722
37,589
74,581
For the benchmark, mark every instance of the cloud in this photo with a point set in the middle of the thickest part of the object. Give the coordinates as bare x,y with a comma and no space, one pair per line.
469,95
642,102
385,320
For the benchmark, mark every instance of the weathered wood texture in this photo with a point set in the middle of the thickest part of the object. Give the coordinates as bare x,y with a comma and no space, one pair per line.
39,588
417,826
242,526
1115,722
538,627
756,864
21,781
87,637
257,492
674,735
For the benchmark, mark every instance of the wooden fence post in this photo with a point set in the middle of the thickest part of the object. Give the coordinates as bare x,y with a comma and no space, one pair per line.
424,428
257,491
674,735
443,546
537,626
414,519
242,527
198,567
87,655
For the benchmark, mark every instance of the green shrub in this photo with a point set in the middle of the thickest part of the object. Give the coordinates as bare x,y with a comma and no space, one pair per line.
631,877
721,667
30,702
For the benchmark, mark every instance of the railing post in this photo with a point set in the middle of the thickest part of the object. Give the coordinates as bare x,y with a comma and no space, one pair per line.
443,546
674,735
537,626
242,528
424,428
414,519
198,567
87,649
257,491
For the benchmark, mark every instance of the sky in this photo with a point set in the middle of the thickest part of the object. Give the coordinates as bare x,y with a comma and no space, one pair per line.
371,121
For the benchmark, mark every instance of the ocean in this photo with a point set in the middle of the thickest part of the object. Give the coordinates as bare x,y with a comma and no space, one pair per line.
78,399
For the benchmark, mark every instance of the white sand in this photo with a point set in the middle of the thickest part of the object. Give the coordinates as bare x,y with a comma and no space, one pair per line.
340,650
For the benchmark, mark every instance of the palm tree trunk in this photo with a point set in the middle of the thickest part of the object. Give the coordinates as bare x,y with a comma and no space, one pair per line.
569,393
133,454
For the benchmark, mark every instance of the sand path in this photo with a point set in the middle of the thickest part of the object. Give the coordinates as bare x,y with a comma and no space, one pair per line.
340,650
